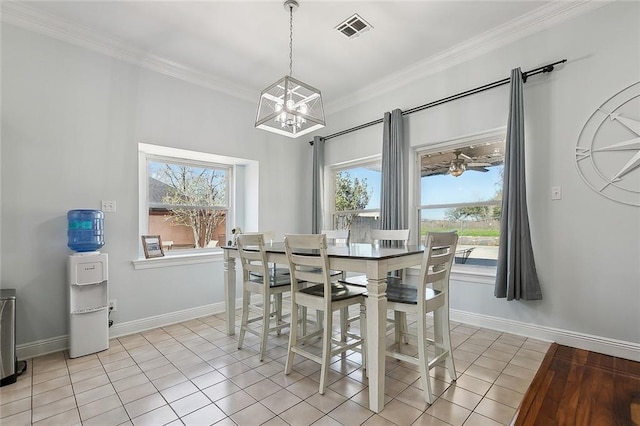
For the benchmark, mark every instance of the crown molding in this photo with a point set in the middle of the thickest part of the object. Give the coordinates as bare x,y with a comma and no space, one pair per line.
535,21
30,18
33,19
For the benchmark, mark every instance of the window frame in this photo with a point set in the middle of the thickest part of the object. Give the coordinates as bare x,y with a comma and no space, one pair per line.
464,272
241,192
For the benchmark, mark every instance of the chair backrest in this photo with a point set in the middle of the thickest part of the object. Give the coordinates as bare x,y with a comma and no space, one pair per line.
439,252
393,235
268,236
337,236
308,261
252,260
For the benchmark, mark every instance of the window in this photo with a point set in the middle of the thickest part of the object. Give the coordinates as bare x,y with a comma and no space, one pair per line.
461,189
193,199
356,200
188,202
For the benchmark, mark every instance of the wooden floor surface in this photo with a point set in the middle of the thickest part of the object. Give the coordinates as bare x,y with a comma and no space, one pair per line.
578,387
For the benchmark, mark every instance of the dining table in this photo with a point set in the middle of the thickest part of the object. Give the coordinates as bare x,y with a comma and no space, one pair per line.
373,260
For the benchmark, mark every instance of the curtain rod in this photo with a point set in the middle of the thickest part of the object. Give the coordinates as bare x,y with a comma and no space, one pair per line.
525,75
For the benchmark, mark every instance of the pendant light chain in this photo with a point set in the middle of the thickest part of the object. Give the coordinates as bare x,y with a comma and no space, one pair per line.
290,40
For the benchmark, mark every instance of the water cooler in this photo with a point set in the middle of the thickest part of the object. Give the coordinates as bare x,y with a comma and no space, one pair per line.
88,288
88,303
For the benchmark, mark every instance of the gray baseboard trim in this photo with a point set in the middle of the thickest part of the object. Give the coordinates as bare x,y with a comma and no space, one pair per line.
604,345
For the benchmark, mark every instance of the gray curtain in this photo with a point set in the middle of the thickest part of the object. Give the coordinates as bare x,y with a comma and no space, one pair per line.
516,277
318,185
393,198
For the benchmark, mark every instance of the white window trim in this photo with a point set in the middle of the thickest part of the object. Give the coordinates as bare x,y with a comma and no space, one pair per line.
181,259
468,273
186,257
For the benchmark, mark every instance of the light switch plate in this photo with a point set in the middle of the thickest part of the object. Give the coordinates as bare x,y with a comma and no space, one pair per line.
556,192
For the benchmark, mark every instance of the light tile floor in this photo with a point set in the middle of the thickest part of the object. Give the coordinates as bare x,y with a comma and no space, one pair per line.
193,374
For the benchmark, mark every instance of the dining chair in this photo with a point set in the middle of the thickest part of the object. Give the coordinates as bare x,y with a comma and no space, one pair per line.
400,237
337,236
430,295
274,269
253,258
309,262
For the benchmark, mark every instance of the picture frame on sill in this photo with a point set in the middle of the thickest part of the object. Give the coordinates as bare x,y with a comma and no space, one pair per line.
152,245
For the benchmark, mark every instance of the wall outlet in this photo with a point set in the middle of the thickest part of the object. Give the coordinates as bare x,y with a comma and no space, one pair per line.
113,305
108,206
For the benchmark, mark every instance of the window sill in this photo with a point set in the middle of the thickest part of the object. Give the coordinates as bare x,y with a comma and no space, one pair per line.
178,260
474,274
468,273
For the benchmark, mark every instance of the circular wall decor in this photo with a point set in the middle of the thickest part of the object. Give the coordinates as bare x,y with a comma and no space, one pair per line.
608,148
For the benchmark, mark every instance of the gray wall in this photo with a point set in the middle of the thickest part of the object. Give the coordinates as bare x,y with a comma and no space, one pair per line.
71,124
71,121
587,247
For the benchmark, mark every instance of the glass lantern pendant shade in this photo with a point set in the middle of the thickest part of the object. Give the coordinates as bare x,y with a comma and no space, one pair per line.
290,107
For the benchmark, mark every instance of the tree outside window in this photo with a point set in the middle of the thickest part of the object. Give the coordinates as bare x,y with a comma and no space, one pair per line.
357,199
191,202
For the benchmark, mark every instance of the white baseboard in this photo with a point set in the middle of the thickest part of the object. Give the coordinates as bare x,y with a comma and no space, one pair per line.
42,347
603,345
60,343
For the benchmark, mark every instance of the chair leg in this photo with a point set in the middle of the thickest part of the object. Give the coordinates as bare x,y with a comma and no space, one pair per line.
424,358
441,322
398,327
293,336
404,327
266,320
278,303
326,350
363,335
246,295
303,313
344,322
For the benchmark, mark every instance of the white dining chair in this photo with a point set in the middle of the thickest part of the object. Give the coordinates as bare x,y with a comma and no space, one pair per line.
274,269
338,237
309,262
430,295
253,259
400,237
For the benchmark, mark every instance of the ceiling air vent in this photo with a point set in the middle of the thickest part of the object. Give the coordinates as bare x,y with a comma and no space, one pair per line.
353,26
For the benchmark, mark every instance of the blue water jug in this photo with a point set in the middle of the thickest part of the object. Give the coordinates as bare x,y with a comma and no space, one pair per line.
86,230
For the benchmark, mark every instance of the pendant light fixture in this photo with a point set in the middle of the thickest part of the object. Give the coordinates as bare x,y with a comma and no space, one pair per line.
290,107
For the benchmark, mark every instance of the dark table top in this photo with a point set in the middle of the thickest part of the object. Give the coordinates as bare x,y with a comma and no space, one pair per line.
353,251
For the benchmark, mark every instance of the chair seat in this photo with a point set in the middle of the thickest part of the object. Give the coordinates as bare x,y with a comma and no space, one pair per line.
277,281
332,273
406,293
339,291
273,271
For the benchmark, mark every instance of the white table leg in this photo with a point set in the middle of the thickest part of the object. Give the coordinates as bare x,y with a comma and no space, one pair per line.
376,331
230,291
